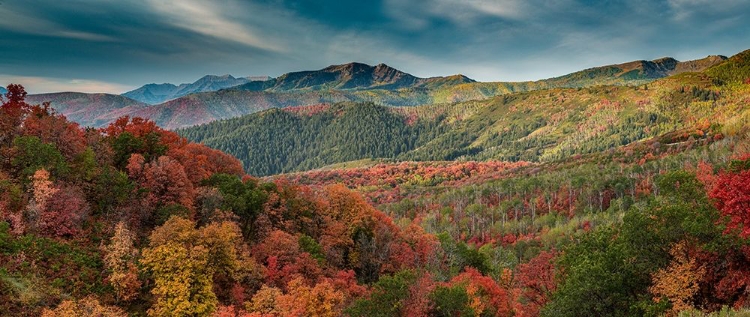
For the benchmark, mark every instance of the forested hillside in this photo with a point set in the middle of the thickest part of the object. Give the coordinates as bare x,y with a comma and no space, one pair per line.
647,230
538,126
277,140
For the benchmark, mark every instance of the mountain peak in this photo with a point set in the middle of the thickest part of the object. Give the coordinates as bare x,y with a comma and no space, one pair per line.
216,77
665,59
348,67
383,68
667,62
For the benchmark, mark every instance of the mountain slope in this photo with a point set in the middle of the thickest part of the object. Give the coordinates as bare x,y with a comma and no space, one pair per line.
158,93
95,110
312,137
634,71
546,125
631,73
206,107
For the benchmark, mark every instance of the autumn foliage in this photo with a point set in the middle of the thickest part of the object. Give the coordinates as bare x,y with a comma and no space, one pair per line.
133,219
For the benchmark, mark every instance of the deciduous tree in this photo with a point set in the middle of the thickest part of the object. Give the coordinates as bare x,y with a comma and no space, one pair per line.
183,261
119,258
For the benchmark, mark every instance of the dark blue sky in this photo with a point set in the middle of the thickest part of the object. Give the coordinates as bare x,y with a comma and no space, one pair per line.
115,45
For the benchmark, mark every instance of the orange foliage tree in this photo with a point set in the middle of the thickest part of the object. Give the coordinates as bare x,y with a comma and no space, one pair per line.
678,282
321,300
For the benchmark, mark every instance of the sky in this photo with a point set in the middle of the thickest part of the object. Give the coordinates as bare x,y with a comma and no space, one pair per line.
116,45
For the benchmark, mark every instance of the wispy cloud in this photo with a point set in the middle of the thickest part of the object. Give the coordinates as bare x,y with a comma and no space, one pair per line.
682,10
210,19
47,84
512,9
20,21
416,14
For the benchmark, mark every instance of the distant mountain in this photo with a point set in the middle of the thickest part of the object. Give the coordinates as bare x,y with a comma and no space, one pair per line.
158,93
95,110
631,73
153,93
544,126
352,76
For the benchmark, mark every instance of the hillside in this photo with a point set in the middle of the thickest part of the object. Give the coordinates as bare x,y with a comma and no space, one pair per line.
540,126
95,110
159,93
562,220
634,71
282,140
631,73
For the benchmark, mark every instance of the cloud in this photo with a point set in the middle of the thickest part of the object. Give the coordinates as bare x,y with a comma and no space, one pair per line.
141,41
210,19
417,14
37,85
512,9
682,10
19,21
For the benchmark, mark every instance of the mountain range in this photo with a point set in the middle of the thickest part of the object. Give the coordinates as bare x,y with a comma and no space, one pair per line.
158,93
538,126
221,97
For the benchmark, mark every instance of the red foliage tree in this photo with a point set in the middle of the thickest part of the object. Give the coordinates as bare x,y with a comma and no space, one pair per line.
167,183
536,282
64,213
202,161
12,112
418,303
485,295
55,129
731,193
